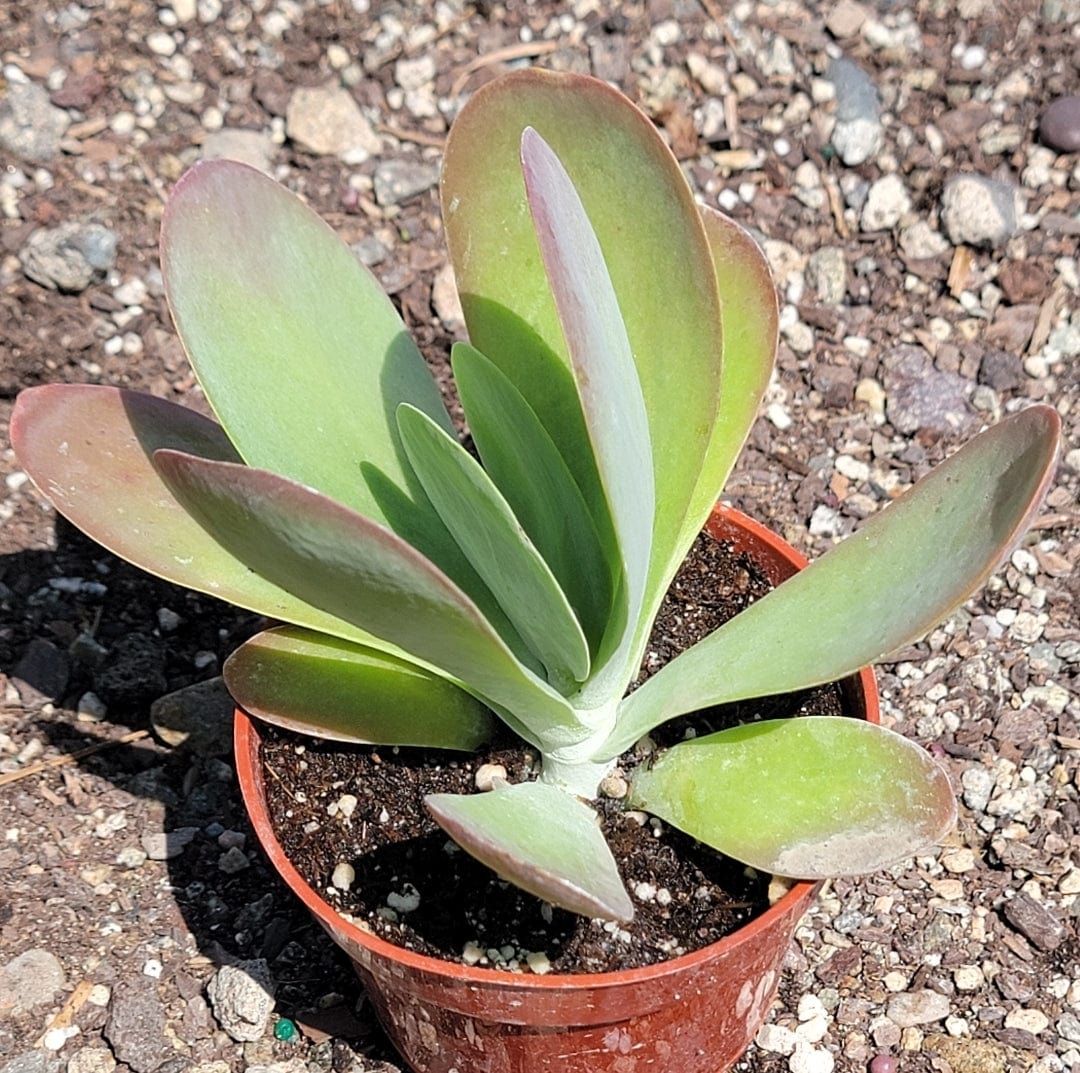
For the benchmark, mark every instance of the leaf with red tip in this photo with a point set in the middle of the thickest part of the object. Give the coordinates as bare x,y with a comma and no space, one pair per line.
299,350
808,797
88,449
541,839
349,566
314,684
751,317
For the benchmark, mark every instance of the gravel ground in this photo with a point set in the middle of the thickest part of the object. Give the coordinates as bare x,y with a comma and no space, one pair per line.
912,171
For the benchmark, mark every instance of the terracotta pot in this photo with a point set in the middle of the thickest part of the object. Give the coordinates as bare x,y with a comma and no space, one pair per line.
694,1014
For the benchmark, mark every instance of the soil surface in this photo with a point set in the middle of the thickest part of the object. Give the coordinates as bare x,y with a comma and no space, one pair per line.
917,307
407,882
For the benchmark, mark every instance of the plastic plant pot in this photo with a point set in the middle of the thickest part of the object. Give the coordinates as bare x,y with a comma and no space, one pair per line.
692,1014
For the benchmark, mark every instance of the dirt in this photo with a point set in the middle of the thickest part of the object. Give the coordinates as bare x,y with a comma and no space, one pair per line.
690,895
88,786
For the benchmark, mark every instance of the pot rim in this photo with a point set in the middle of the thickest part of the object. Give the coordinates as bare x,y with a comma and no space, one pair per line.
251,787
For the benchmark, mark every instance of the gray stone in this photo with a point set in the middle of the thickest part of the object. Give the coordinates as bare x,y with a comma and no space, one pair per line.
41,674
1066,11
254,147
242,997
1068,1027
1001,370
917,1008
857,134
164,845
136,1025
31,1062
31,126
327,120
197,718
30,979
977,211
886,203
919,396
399,180
66,258
826,272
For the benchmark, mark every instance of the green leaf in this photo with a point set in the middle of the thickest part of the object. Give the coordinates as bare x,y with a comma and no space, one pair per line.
603,367
484,526
901,573
320,685
351,567
748,301
644,215
302,356
88,449
528,469
809,797
541,839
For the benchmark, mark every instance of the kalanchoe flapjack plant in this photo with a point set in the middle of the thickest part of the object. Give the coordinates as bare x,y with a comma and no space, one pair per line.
621,339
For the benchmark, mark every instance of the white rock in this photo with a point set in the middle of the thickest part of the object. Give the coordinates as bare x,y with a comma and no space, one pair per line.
327,120
776,1039
1033,1021
242,996
917,1008
808,1059
344,875
487,775
161,43
977,211
886,204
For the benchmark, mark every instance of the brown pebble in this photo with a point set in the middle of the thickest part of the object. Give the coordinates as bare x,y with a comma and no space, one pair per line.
1059,127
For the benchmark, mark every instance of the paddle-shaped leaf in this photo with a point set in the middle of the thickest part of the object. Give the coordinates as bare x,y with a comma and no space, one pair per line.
903,571
541,839
643,213
748,301
484,526
89,450
810,797
299,350
528,469
315,684
603,368
349,566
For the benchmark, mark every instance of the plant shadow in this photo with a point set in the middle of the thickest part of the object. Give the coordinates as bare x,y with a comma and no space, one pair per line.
78,621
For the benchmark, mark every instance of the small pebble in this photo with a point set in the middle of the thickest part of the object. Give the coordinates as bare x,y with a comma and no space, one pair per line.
284,1029
344,876
883,1063
488,775
1059,126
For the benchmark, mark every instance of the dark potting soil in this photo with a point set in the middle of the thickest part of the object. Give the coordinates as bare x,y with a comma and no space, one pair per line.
416,888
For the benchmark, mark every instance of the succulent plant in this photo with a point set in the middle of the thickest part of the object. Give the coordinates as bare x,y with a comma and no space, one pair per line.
621,338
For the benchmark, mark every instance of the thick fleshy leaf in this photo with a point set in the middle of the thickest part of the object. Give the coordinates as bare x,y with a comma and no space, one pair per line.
903,571
349,566
644,215
809,797
320,685
300,352
748,300
484,526
543,840
89,450
600,359
528,469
